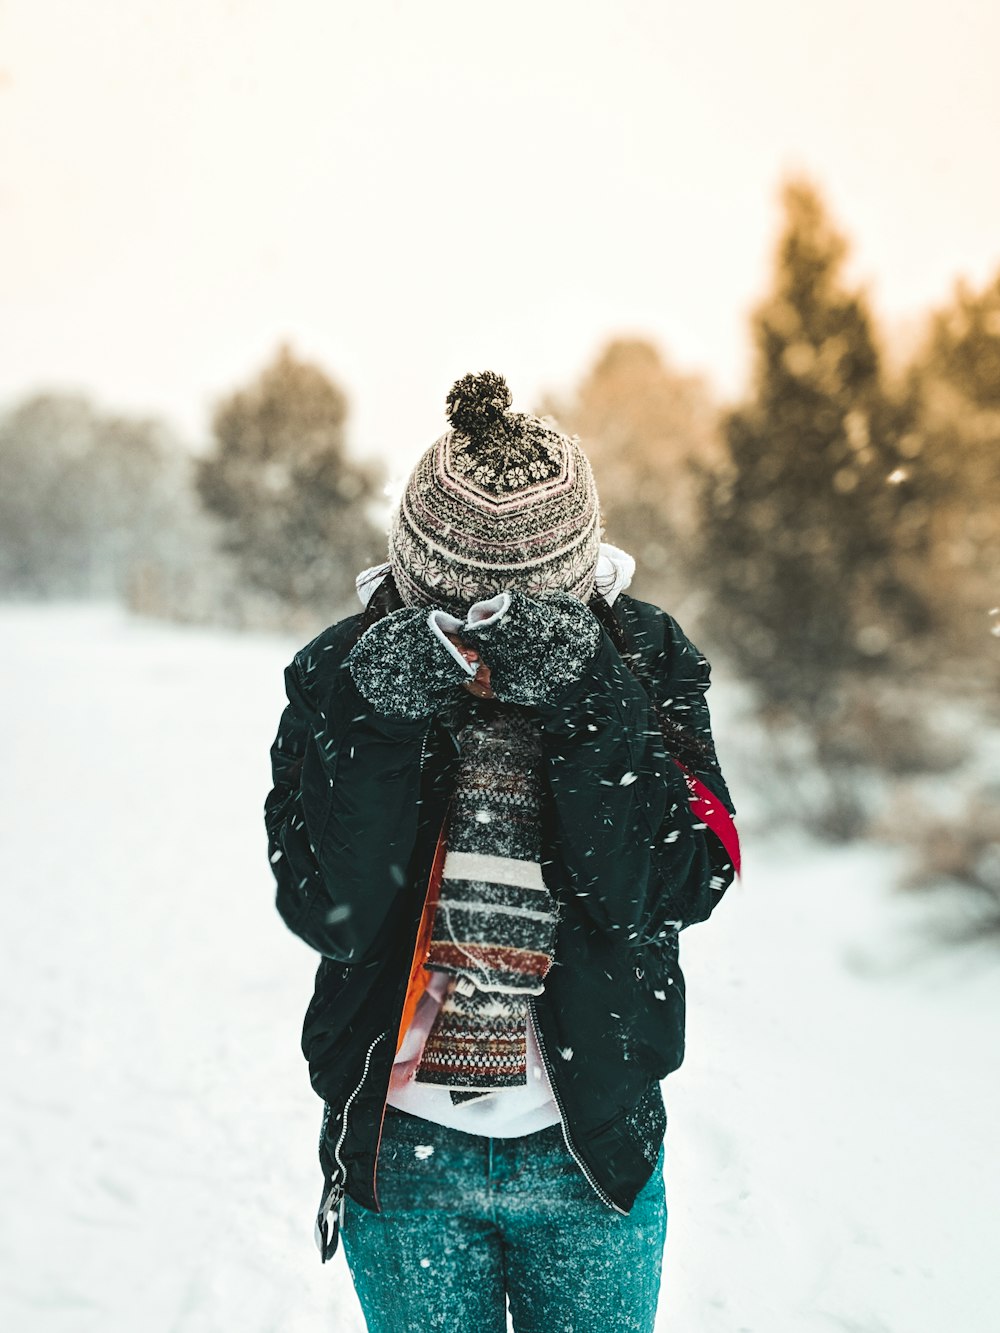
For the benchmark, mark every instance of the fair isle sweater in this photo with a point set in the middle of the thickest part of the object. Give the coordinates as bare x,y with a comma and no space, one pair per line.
508,1112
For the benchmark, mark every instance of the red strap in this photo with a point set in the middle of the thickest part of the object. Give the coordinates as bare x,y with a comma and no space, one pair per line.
710,810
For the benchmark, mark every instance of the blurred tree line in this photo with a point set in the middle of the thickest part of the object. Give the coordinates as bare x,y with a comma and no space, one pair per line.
264,531
842,519
835,537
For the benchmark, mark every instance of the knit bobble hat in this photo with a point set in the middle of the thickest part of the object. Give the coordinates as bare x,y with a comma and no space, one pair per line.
501,500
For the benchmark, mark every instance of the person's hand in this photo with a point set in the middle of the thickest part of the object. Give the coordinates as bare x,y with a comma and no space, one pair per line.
405,665
535,646
480,683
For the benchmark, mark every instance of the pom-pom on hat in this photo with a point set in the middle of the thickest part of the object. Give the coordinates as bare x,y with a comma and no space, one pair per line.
501,500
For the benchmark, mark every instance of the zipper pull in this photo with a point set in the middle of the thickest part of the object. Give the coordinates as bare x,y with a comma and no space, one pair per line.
329,1220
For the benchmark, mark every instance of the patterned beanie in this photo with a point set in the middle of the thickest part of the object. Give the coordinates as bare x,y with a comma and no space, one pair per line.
501,500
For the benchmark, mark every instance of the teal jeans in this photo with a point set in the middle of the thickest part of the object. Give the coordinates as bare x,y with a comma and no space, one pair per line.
470,1222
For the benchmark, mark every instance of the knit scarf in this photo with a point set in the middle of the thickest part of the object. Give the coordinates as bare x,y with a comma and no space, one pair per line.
494,926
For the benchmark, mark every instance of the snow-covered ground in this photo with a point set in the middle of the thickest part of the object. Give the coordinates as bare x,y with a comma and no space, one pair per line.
831,1152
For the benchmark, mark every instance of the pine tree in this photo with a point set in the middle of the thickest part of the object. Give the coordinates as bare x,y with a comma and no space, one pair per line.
643,423
956,381
965,344
799,528
295,508
82,496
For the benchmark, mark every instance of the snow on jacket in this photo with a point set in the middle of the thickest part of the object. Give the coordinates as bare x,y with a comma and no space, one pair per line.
353,820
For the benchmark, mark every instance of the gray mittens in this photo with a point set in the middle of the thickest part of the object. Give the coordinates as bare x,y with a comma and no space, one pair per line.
405,666
534,646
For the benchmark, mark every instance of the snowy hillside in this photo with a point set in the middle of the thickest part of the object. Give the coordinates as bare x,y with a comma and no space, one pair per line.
831,1152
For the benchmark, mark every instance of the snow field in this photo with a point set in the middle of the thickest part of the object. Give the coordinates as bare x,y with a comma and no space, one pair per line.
830,1160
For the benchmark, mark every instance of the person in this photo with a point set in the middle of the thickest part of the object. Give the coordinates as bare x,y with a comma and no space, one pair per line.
496,803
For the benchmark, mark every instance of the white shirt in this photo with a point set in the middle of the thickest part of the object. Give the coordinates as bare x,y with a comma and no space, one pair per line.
506,1113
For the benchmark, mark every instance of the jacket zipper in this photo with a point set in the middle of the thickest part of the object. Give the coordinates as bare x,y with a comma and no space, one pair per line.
385,1102
347,1106
336,1196
598,1190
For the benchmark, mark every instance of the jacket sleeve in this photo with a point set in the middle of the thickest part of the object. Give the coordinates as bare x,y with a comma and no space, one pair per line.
638,859
680,683
341,816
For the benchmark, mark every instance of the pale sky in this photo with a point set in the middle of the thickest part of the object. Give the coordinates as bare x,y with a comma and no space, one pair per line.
408,191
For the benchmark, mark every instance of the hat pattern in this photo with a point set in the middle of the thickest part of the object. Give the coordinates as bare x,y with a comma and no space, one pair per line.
501,500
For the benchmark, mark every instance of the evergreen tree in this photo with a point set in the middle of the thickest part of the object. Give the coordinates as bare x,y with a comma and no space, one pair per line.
965,344
800,527
82,496
295,508
955,379
643,424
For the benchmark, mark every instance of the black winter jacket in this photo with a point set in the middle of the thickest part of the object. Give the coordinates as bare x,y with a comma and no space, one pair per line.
353,818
